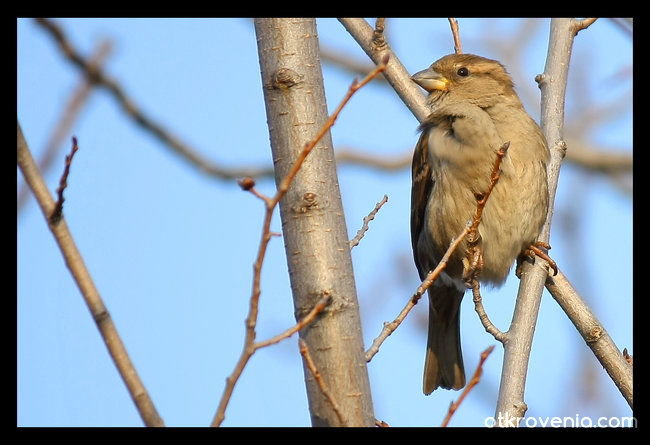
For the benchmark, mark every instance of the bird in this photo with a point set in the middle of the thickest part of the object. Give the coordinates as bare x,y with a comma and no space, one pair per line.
474,111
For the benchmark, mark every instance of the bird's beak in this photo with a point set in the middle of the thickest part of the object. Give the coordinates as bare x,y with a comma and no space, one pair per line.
430,80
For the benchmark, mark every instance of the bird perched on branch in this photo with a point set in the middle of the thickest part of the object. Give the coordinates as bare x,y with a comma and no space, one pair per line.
474,112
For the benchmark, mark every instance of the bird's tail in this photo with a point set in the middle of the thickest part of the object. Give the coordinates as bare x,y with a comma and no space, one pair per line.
443,366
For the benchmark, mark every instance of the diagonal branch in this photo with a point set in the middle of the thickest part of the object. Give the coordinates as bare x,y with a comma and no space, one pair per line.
84,281
594,334
389,328
396,74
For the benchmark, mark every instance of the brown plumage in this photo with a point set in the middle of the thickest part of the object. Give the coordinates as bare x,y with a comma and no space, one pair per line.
474,111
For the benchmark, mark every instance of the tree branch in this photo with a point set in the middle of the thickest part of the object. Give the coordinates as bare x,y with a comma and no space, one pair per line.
517,346
472,383
313,223
594,334
57,213
304,351
458,48
389,328
70,112
364,228
248,184
395,73
84,281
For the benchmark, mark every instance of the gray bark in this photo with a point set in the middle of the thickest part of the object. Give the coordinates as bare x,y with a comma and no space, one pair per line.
313,223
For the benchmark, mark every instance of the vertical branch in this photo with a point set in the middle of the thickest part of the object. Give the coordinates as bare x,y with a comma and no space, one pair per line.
313,223
520,335
248,184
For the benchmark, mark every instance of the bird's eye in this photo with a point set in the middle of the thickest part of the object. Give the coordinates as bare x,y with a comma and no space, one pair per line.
463,72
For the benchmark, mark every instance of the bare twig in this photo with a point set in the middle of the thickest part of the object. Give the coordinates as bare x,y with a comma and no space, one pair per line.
475,255
311,315
304,351
362,231
389,328
55,217
84,281
458,49
474,259
270,204
474,251
472,383
69,114
482,315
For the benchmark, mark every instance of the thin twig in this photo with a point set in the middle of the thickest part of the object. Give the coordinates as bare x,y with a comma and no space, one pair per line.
474,251
458,49
270,204
67,117
389,328
471,230
307,319
472,383
362,231
57,213
482,315
319,379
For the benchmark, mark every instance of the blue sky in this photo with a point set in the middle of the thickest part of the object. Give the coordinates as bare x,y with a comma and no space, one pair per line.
171,250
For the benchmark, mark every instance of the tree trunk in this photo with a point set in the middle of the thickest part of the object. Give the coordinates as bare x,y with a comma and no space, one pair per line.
313,222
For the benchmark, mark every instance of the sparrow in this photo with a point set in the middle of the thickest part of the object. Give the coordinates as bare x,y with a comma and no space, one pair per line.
474,111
